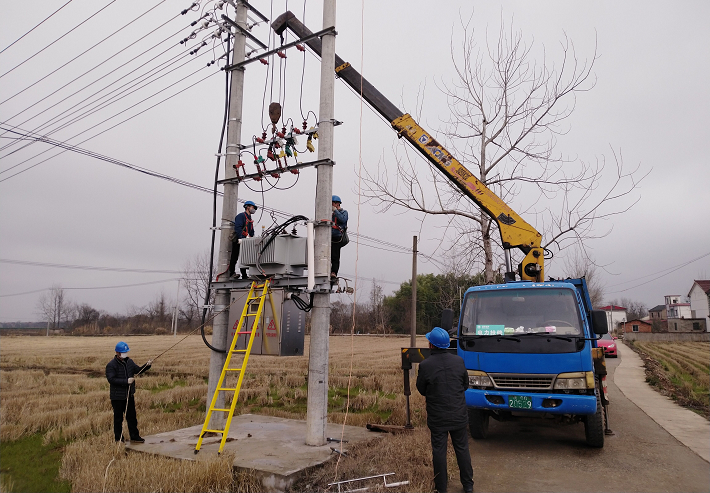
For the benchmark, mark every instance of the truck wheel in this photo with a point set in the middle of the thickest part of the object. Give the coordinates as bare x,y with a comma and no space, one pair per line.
594,423
478,423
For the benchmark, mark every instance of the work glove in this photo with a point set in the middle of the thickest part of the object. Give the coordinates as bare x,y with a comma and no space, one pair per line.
150,362
131,380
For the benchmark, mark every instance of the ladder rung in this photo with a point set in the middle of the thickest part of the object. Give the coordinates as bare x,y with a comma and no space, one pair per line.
225,388
232,369
219,409
244,332
239,350
213,431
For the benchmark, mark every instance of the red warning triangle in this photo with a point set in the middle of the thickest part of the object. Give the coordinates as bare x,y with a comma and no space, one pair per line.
272,325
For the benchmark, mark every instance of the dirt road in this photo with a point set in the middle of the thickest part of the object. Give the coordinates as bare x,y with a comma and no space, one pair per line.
533,456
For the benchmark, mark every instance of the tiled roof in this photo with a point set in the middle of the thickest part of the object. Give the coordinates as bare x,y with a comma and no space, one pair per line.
704,285
658,308
615,308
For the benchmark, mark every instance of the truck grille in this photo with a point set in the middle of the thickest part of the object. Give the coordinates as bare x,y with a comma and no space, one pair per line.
513,381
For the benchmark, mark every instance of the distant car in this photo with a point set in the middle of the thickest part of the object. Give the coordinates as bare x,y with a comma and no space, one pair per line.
609,344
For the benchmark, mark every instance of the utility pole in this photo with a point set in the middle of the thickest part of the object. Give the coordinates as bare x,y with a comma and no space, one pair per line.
317,407
220,325
413,330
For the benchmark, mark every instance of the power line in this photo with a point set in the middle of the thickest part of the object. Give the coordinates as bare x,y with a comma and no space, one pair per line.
87,267
95,287
81,54
670,271
45,19
95,67
60,37
110,128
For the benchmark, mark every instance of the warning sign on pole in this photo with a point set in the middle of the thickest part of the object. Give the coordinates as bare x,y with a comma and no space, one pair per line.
272,325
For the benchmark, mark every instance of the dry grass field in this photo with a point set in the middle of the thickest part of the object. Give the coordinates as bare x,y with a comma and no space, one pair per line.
680,370
55,387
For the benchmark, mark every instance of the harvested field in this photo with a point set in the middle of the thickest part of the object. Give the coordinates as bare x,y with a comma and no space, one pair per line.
55,387
679,370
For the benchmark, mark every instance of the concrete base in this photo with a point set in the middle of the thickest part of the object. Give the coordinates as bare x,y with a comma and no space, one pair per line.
273,448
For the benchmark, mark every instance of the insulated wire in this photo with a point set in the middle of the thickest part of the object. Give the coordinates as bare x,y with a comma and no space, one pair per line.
42,22
60,37
102,105
114,126
100,78
82,53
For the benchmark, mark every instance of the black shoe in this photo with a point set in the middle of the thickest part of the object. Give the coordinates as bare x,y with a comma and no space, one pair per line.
137,440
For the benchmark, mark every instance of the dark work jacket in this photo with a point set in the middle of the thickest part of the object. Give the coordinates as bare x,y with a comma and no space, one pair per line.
243,225
443,380
118,371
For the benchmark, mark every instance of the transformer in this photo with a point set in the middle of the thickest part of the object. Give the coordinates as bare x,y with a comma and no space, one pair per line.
282,336
285,256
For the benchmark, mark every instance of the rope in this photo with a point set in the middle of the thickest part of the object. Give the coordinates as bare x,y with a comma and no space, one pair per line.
357,240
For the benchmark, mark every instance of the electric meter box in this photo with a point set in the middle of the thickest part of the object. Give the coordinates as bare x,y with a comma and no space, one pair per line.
282,336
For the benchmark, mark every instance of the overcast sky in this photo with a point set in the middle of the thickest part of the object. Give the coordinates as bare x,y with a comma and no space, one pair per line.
650,105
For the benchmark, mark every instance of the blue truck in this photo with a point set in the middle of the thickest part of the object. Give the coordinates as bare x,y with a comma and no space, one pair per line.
529,345
530,350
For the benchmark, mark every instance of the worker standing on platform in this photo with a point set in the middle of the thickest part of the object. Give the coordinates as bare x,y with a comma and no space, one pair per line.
443,380
339,235
243,228
120,373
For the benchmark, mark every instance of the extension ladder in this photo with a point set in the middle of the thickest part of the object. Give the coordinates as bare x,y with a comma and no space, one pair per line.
247,313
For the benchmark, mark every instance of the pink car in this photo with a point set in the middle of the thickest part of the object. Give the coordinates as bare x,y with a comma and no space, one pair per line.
609,344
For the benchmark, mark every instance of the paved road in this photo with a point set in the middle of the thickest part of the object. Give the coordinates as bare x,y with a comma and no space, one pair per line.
535,456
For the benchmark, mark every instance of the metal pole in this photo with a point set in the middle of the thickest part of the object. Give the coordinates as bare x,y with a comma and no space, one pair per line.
220,325
413,330
175,313
317,407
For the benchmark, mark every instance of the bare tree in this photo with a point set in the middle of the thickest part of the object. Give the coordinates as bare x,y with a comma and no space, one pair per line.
54,307
507,110
635,310
196,279
580,265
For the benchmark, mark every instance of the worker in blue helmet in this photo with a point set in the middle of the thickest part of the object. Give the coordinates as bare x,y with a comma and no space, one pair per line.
443,380
339,235
120,373
243,228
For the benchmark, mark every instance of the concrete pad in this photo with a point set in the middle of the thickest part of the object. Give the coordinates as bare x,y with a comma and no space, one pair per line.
690,429
273,448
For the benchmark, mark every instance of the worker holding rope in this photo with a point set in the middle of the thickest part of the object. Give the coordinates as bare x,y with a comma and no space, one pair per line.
120,373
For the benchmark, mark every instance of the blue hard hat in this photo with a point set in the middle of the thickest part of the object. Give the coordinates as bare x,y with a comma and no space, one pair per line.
439,338
122,347
249,202
336,199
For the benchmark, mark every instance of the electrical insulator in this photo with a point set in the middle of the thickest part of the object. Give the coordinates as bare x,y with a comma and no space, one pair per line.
300,48
288,151
298,131
264,61
281,54
309,146
305,124
270,155
294,171
274,174
259,140
315,135
282,154
281,134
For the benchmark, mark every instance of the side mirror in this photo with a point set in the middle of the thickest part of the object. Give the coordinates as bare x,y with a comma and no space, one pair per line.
447,321
599,322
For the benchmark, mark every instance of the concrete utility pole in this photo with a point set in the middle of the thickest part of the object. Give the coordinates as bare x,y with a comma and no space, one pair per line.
413,330
317,408
220,325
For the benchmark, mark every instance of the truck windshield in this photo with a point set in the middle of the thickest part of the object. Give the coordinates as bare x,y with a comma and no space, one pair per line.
521,311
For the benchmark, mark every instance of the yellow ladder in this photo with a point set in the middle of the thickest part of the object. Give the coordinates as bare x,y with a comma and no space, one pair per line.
251,299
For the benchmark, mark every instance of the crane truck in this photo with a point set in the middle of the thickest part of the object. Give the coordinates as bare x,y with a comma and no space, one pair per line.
529,345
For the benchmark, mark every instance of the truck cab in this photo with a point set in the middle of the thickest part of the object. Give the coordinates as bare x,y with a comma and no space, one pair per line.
530,350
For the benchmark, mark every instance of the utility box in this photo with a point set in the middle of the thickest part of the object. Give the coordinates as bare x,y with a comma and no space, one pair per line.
282,336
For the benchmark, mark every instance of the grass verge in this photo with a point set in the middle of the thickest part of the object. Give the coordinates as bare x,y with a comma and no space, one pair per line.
42,476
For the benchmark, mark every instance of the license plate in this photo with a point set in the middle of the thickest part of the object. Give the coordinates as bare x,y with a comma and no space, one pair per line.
520,401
